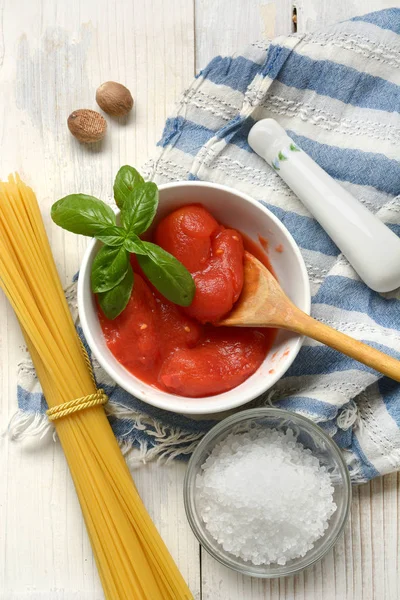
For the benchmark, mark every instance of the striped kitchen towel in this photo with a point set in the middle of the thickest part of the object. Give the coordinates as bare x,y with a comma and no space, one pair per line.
337,92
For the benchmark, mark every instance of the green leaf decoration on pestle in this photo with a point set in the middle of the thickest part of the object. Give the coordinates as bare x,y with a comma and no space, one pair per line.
294,148
281,156
275,164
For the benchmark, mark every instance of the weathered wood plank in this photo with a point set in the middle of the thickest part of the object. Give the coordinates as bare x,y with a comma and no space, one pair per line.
55,55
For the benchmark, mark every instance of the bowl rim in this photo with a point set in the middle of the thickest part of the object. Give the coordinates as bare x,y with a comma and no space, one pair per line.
227,424
135,387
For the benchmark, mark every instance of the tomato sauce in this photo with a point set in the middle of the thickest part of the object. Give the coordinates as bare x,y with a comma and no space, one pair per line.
178,349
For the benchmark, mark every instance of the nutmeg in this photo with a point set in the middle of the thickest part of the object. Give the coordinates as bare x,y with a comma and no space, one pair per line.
87,125
114,98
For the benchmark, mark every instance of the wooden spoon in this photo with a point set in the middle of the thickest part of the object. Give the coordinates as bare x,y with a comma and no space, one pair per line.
263,303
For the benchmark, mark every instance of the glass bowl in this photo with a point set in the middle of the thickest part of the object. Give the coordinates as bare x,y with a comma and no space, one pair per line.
312,437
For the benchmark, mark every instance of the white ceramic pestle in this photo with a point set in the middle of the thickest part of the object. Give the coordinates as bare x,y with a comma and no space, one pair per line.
368,244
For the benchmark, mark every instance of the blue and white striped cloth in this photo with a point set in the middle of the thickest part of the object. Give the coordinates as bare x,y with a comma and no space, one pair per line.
337,92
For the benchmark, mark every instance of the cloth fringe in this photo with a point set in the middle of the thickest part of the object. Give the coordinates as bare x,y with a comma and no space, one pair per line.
169,443
28,424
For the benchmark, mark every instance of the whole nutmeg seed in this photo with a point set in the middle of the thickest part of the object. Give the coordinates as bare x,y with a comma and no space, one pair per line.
114,98
87,125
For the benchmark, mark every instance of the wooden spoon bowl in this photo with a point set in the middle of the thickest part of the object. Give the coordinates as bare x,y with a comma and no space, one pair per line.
263,303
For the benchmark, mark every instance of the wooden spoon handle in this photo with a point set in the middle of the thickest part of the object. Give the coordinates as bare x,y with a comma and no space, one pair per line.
312,328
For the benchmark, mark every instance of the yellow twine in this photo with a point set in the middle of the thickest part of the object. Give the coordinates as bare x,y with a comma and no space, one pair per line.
67,408
87,360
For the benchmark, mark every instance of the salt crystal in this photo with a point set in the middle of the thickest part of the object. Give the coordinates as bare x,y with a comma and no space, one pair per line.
264,497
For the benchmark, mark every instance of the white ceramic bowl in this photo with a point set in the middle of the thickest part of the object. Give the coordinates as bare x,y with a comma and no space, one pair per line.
239,211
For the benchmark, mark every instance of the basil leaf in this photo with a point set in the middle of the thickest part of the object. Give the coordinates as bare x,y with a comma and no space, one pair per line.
127,178
113,302
109,268
168,275
82,214
140,208
134,244
111,236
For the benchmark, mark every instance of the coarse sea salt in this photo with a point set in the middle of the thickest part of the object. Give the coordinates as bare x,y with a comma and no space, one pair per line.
264,497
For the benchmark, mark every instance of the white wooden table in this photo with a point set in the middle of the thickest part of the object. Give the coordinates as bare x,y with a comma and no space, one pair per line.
53,55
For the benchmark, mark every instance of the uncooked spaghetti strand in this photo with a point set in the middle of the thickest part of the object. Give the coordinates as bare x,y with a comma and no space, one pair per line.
156,548
31,318
20,294
124,527
31,321
31,328
33,212
117,525
132,560
87,497
34,277
23,236
138,564
32,206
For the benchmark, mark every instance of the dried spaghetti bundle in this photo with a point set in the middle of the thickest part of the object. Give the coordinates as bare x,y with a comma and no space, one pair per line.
132,560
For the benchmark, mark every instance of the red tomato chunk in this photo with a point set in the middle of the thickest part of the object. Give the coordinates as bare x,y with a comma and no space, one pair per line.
177,349
213,254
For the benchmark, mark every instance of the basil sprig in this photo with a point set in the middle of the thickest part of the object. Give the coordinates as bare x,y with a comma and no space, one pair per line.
126,180
168,276
112,276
